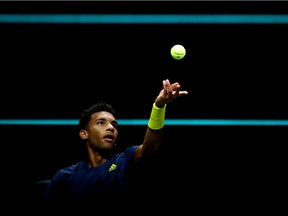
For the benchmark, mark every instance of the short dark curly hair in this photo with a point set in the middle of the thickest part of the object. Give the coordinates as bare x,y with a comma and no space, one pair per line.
86,114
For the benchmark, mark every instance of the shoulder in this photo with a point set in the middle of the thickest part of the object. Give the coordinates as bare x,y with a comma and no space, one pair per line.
71,169
130,150
128,153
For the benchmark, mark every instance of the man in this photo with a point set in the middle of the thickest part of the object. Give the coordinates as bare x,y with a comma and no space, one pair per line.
105,173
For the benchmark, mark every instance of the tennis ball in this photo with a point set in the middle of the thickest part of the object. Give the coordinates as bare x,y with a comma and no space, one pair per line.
178,52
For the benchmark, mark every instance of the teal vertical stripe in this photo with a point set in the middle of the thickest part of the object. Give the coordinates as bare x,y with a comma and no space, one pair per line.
144,122
144,19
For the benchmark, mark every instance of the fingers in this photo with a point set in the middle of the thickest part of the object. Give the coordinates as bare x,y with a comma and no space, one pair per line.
168,87
172,89
177,90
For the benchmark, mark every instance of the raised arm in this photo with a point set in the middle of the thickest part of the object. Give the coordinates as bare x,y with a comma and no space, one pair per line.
154,132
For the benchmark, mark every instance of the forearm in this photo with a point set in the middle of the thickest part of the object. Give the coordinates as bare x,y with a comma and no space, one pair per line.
152,141
154,132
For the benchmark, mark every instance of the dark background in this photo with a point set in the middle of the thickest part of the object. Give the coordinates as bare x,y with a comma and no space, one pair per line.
54,71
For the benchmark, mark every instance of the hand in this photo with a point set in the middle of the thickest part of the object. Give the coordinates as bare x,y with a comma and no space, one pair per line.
169,93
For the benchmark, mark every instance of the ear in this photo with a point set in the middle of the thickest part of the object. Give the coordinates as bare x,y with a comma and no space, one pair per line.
83,134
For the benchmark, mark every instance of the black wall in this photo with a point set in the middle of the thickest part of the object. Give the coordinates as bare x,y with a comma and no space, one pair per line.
232,71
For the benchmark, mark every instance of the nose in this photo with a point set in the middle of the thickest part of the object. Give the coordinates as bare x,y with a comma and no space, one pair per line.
110,127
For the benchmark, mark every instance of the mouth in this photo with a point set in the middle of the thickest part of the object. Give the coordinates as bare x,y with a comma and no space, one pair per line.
109,138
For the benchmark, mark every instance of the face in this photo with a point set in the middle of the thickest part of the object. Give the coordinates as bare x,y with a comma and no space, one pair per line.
102,131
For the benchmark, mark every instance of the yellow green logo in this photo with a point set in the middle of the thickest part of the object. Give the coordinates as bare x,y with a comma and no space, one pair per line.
112,167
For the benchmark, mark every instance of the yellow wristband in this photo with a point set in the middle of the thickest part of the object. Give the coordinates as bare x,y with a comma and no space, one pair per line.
157,117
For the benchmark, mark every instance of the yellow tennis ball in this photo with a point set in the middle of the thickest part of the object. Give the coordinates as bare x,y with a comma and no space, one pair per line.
178,52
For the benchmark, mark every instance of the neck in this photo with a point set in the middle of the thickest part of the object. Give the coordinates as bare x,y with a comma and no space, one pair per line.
96,158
